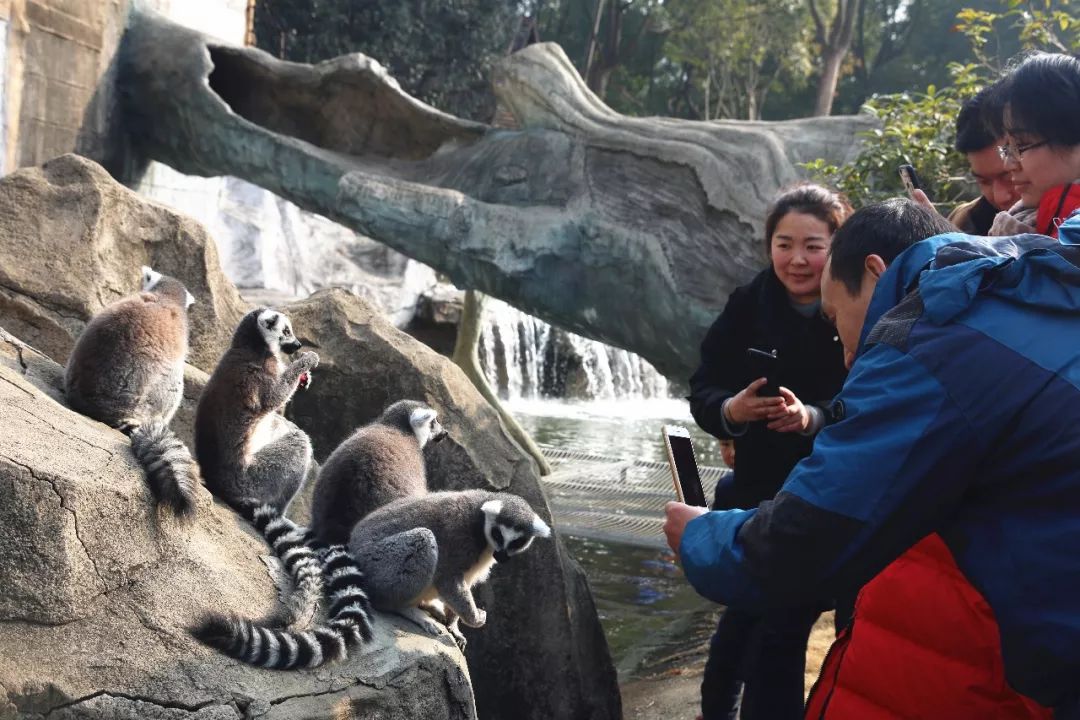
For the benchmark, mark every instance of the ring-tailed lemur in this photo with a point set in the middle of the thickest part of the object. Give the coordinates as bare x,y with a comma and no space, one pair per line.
250,455
415,550
433,549
127,370
349,623
380,462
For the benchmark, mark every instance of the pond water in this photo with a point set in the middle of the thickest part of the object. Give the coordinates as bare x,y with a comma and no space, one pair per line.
649,613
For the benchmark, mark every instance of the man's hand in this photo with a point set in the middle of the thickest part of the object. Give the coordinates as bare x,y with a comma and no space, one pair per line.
792,417
677,515
920,198
748,406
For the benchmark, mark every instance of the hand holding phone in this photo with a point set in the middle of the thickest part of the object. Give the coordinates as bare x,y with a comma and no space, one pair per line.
763,364
684,471
910,178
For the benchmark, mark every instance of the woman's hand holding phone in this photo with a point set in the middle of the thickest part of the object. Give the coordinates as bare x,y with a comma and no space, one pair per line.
793,417
747,406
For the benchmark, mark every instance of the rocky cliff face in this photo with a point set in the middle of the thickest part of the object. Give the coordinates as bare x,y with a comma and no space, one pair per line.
97,590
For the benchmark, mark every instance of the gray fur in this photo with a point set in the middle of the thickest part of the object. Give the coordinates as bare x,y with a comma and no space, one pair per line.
127,370
380,462
250,455
349,622
423,550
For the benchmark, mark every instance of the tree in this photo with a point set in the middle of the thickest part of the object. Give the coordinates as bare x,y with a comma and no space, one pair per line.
731,53
834,41
438,50
920,127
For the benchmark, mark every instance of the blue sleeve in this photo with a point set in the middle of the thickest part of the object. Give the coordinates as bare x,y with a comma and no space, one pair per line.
877,481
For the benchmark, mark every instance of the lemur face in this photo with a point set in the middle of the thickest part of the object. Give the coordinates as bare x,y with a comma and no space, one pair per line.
510,526
151,278
425,425
277,332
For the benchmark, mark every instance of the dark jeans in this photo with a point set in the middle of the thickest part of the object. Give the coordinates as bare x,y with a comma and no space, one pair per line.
765,657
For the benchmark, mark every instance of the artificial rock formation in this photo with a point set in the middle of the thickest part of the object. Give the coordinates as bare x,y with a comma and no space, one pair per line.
631,231
542,653
97,590
72,241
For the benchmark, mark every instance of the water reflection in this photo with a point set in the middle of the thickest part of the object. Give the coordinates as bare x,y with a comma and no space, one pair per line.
650,615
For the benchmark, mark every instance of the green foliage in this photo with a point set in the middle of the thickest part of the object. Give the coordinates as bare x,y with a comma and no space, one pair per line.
731,53
919,128
438,50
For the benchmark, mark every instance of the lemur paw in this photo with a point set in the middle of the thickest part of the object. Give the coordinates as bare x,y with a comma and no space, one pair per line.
305,380
478,621
459,638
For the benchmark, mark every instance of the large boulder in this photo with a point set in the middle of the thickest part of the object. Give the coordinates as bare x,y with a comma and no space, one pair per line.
542,653
72,240
96,590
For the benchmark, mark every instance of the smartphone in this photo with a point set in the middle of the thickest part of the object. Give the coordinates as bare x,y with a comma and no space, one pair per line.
763,364
910,178
684,472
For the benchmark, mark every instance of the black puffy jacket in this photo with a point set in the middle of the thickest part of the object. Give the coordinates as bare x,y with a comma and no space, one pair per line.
810,363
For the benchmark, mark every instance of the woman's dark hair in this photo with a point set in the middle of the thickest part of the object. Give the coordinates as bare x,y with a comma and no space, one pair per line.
885,229
1042,95
829,207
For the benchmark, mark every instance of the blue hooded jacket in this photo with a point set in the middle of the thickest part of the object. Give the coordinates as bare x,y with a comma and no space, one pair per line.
960,416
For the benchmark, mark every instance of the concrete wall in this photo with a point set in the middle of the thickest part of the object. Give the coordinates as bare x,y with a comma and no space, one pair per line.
54,55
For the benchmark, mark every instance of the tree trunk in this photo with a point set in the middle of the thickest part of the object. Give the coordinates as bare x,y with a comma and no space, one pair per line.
466,358
594,36
830,75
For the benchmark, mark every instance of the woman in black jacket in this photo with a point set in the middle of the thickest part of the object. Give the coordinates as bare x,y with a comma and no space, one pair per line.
779,311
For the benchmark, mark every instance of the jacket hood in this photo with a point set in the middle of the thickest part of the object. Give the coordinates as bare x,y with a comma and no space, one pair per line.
950,270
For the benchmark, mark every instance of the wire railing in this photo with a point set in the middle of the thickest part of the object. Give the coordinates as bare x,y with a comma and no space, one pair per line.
614,500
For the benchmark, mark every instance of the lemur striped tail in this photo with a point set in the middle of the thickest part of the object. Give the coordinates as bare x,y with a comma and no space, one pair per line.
171,472
349,623
290,543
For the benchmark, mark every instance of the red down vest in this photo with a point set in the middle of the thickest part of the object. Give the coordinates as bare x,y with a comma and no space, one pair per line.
923,643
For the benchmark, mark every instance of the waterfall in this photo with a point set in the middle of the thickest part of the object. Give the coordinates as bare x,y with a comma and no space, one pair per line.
523,357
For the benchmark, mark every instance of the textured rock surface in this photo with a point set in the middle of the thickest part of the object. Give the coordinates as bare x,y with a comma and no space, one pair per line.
560,218
72,240
97,591
542,653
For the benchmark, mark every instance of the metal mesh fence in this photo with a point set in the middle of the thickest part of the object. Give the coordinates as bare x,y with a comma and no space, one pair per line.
604,498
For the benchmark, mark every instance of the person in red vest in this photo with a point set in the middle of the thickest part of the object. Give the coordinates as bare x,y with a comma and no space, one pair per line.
922,641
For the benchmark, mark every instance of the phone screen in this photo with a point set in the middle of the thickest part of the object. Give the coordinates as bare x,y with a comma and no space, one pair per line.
686,470
910,179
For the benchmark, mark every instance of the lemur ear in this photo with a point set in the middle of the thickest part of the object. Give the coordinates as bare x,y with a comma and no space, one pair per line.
492,507
540,528
190,299
421,416
150,278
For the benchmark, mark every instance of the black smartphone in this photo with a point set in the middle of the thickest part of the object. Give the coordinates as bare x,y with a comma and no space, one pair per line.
910,178
763,364
684,472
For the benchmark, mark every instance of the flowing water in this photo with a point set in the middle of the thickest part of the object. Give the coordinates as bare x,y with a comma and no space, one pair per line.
575,394
649,613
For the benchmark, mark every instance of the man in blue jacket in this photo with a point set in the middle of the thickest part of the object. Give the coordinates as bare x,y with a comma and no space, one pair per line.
960,416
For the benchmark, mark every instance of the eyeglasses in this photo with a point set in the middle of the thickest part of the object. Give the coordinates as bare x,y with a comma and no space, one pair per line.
1012,151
